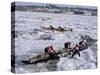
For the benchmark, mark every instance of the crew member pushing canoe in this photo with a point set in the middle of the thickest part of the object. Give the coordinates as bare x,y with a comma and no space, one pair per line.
76,51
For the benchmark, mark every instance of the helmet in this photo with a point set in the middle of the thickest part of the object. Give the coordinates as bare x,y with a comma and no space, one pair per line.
76,45
84,41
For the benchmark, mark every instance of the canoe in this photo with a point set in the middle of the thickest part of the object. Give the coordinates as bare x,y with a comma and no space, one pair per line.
44,58
56,29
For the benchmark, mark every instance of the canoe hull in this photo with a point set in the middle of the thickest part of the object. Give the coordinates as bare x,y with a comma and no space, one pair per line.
43,58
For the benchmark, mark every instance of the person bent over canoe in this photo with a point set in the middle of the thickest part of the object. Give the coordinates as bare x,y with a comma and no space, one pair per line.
49,50
75,51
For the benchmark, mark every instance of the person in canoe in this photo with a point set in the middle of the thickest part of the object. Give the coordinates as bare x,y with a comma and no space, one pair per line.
49,50
76,51
60,28
82,43
52,28
67,45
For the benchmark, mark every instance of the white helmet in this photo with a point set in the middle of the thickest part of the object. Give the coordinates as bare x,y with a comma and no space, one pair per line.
84,41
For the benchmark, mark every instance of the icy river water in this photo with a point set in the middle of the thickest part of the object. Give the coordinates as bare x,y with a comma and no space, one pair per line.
30,40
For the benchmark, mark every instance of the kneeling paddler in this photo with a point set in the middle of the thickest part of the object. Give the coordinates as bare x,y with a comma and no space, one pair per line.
49,50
